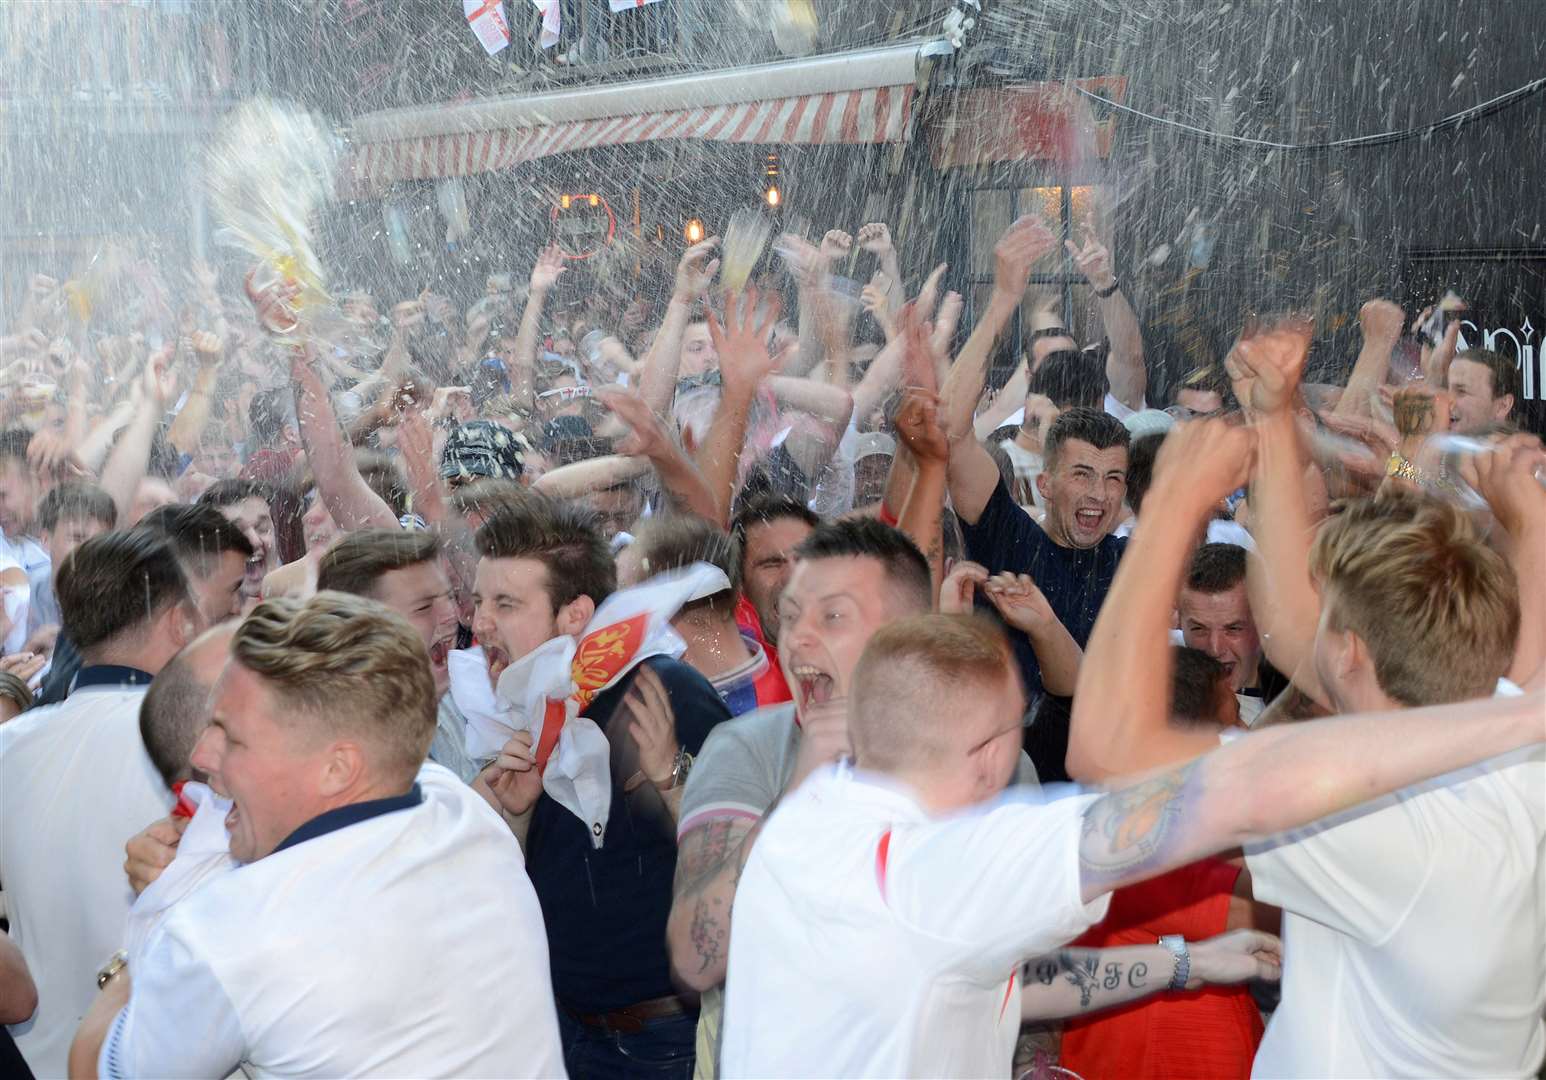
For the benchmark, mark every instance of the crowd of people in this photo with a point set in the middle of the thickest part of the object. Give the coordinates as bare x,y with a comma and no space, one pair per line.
747,686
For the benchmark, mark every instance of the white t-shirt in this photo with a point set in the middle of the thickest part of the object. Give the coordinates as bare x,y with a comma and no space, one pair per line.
1415,934
75,785
870,939
406,944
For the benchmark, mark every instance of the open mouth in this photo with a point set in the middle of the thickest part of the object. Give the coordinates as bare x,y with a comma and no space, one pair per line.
1089,519
498,660
812,685
438,650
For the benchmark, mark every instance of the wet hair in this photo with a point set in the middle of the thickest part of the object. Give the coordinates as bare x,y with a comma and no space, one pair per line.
674,542
867,538
345,666
76,501
361,559
199,534
116,582
230,491
1208,380
1216,568
765,508
13,445
270,413
1436,607
1194,688
1092,426
1070,379
172,715
1141,454
1505,372
565,537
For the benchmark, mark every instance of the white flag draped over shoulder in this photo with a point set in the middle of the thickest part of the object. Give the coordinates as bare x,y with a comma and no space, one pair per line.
547,691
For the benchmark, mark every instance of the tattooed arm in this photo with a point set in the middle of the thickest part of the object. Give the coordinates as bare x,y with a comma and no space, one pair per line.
709,860
1271,781
1074,982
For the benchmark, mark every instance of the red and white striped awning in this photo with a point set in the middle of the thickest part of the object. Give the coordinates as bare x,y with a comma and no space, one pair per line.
843,99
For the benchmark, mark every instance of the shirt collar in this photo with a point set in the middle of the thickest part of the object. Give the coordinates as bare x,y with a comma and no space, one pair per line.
353,814
110,675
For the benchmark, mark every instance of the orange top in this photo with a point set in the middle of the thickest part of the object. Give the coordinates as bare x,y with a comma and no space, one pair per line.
1211,1032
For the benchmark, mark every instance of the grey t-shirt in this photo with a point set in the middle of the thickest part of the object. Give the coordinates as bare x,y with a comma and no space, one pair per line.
742,769
449,746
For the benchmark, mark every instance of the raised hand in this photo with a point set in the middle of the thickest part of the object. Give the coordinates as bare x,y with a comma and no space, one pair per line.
160,379
874,299
24,665
647,436
1092,258
151,850
653,727
742,343
695,272
1381,320
824,738
917,425
1511,478
960,587
208,347
1203,461
1272,363
834,246
1019,602
876,238
550,267
945,321
1023,244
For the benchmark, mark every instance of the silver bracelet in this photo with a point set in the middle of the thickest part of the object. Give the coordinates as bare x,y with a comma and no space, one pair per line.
1177,945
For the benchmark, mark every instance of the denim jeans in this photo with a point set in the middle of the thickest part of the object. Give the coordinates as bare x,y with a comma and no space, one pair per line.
664,1048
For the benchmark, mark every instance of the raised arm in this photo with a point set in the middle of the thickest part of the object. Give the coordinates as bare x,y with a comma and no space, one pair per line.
1271,781
744,361
1121,715
694,274
126,465
1380,321
812,446
1506,478
351,501
917,425
1283,598
648,440
1023,606
1124,363
550,266
188,427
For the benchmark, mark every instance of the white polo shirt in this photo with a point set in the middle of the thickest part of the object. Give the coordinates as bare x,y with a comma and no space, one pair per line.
870,939
75,785
1414,931
404,943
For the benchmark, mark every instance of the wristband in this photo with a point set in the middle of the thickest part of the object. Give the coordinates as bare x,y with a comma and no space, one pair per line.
1110,290
1177,945
1049,331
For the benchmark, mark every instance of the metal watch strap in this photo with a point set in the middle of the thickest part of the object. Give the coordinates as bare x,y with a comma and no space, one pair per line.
681,768
1177,945
115,963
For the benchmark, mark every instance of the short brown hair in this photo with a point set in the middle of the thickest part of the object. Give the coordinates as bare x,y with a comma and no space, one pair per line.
76,501
345,665
907,669
487,495
563,536
1437,608
1216,568
670,543
361,559
115,582
1505,372
1093,426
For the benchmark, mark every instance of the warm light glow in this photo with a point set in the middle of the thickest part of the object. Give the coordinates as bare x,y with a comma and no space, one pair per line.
773,196
694,231
564,202
595,200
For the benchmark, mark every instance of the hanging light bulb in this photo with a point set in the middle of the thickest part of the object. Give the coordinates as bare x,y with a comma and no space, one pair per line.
693,231
773,197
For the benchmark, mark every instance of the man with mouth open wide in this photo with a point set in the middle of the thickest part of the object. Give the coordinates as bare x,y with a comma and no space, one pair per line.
402,569
314,954
850,578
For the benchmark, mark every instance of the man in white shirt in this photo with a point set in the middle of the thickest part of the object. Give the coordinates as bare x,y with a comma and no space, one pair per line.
77,781
885,910
316,954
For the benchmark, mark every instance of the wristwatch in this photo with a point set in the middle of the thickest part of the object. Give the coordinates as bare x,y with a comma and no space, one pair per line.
1109,290
1177,945
681,768
115,963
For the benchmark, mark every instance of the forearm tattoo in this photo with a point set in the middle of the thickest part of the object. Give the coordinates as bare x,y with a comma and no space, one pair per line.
1084,970
1132,830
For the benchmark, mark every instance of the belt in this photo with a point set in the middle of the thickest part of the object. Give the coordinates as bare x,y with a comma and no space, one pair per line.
630,1019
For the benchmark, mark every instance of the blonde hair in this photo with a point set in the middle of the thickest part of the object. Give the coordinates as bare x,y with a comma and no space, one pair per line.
911,669
347,666
1437,608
